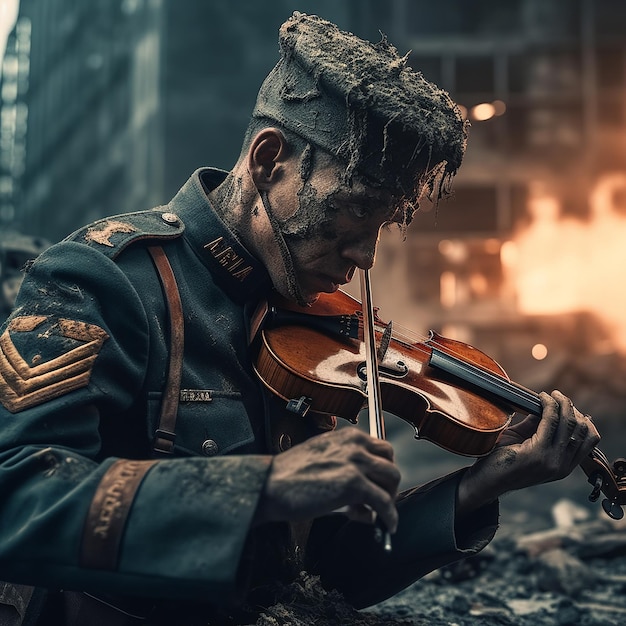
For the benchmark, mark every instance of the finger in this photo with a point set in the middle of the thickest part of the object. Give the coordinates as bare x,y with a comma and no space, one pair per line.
383,505
380,471
576,444
593,431
388,514
567,419
585,437
380,447
528,422
352,435
360,513
520,430
549,423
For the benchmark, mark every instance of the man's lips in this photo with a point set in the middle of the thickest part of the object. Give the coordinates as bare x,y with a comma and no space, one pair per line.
330,283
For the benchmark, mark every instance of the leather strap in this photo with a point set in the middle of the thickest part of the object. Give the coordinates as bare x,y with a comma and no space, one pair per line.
166,432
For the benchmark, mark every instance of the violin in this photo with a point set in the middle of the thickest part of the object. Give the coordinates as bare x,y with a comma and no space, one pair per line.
452,394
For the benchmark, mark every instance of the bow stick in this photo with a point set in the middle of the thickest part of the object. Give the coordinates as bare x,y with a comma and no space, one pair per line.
374,402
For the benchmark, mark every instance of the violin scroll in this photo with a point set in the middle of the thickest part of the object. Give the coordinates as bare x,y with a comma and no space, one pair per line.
609,479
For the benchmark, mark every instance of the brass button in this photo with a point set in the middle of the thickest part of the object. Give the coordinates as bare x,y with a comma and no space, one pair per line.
170,218
284,442
210,448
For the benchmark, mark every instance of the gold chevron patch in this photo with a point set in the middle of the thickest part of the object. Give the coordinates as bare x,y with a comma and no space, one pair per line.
23,386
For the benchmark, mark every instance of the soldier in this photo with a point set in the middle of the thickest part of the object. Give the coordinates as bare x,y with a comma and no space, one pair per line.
144,469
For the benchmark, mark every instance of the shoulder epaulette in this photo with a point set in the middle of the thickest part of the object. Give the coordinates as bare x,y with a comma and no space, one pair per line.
111,235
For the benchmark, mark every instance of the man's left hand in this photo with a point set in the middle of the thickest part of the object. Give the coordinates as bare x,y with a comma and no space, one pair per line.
534,451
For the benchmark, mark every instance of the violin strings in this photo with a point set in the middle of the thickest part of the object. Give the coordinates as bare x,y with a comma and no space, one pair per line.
410,338
414,340
405,335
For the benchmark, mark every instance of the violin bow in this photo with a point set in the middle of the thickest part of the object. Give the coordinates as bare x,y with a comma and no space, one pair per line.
374,402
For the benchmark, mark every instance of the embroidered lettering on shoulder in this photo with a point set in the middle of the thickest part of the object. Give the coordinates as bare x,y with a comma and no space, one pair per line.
101,234
24,385
229,259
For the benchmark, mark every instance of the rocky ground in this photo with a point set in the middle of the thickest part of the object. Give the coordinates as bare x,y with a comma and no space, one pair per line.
556,560
573,573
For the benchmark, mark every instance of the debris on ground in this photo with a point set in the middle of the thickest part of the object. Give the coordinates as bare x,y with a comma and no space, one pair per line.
570,574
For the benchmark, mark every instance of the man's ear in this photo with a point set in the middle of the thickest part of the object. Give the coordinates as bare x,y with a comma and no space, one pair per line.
267,150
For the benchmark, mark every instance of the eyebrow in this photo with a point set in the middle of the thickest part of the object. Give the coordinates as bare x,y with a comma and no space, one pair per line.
362,197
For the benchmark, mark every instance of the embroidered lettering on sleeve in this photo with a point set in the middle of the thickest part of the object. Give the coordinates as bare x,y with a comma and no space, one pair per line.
23,384
108,512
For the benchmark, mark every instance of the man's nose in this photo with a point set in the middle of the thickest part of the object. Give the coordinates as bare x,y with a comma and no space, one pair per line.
362,252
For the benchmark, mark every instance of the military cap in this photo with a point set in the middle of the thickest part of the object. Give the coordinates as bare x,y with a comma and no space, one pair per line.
363,103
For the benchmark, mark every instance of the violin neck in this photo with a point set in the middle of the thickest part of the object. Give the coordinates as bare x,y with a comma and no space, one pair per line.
510,393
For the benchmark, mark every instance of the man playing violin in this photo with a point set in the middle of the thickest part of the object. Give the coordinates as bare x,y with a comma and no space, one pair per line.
145,471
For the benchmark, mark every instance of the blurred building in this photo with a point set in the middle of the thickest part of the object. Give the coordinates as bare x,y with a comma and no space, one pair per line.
109,105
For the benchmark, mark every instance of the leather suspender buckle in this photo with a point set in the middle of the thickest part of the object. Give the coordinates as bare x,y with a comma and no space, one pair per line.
163,441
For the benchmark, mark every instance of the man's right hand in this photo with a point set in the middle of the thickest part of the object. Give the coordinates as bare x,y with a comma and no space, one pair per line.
343,468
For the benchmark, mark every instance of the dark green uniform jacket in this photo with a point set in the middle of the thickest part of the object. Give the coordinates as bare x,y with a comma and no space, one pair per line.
86,504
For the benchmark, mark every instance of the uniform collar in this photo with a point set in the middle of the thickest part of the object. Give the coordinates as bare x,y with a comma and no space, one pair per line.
240,274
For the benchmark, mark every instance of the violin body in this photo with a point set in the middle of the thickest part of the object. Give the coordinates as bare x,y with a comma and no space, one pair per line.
451,393
327,369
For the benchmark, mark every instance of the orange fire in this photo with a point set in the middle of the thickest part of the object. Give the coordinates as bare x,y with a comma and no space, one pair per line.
559,264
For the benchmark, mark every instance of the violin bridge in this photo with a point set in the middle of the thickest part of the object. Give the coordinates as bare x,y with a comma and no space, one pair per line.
384,343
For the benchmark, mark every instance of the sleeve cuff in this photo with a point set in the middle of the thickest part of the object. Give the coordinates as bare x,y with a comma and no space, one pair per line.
437,500
188,526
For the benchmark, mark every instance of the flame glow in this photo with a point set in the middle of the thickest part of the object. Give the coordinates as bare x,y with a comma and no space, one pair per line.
558,264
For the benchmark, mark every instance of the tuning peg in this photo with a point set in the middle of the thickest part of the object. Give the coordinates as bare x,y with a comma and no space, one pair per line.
619,467
596,480
612,509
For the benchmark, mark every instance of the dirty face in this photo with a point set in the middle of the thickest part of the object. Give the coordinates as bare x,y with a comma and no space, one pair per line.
330,228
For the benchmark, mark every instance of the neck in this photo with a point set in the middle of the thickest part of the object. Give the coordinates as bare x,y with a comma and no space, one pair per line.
249,216
234,202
